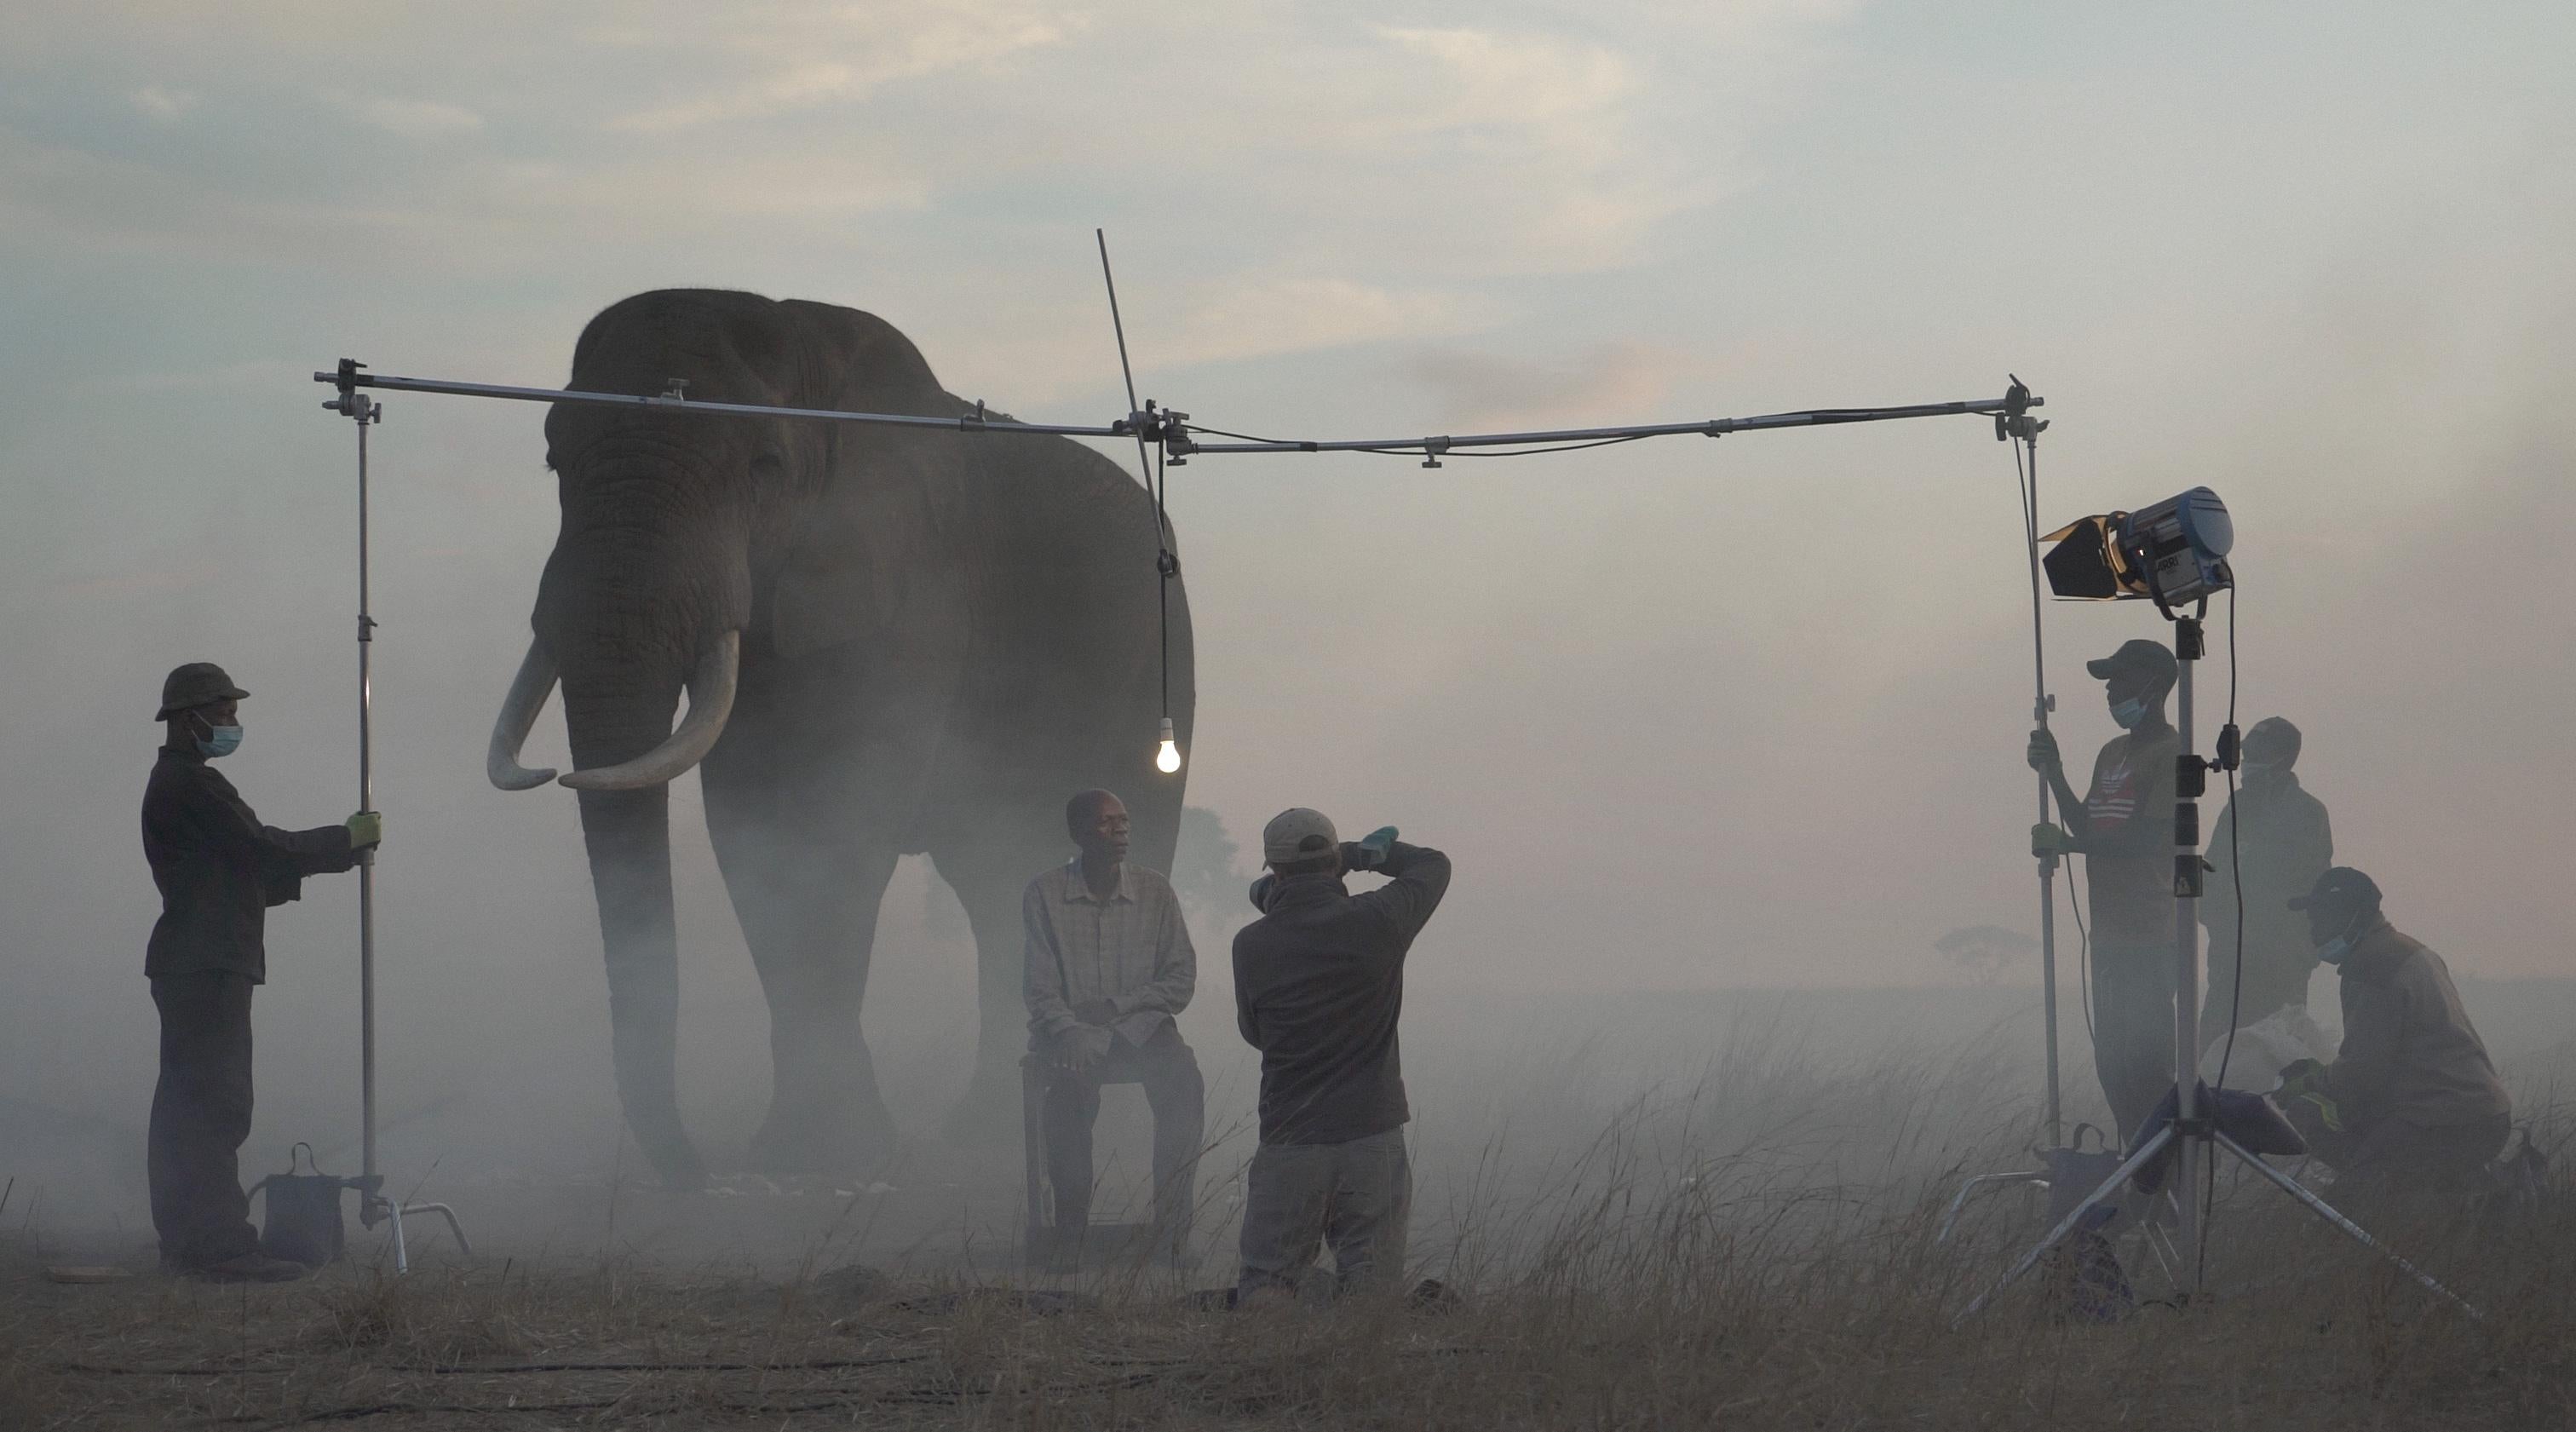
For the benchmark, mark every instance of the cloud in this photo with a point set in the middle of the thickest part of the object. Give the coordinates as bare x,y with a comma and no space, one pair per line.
1624,380
807,57
419,118
1253,316
161,103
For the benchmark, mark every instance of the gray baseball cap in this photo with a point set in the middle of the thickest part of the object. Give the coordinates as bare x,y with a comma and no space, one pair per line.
1297,834
2147,658
196,684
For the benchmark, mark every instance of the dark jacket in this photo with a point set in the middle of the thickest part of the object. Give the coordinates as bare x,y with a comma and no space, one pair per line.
1318,988
2409,1052
219,869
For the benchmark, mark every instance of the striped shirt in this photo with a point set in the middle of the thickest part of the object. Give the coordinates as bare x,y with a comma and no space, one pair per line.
1130,949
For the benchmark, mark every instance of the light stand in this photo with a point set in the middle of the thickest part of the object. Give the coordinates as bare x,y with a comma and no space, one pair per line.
2015,424
373,1206
2193,1133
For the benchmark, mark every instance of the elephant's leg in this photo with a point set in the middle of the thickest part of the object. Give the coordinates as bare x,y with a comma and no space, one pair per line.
990,875
807,900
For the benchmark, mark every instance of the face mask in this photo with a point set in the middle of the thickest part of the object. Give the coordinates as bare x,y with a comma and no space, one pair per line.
1261,892
2129,713
219,741
2335,951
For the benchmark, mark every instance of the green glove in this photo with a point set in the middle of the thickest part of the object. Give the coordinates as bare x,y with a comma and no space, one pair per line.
2300,1077
1370,851
2047,839
366,828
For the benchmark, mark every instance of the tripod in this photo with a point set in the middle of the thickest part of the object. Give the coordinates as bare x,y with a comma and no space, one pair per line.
2193,1134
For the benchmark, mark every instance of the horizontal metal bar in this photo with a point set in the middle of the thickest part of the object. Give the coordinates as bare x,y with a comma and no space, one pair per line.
1714,427
960,423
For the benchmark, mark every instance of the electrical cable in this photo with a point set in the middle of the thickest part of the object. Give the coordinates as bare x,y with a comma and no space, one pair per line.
1445,453
2236,874
2235,850
1166,566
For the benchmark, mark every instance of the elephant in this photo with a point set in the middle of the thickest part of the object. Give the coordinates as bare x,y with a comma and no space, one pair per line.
894,640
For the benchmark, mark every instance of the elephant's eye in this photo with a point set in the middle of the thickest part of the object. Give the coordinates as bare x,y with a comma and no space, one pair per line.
767,467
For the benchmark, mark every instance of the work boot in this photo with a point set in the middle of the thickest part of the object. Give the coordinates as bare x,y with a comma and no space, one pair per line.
252,1267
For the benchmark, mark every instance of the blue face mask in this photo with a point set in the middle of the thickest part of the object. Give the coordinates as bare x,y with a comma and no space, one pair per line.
2333,951
2127,714
219,741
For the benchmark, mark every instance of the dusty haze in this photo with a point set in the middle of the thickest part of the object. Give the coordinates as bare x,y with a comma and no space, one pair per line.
1691,716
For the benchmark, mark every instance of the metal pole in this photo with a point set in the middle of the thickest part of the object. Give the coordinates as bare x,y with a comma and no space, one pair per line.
2188,1151
366,413
2047,863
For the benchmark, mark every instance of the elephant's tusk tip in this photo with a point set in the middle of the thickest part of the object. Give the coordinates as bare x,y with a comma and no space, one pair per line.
524,780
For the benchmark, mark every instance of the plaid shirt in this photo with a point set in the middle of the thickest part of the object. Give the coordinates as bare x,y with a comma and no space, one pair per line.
1130,949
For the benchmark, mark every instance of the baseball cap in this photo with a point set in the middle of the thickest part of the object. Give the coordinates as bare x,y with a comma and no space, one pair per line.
2341,885
198,683
1297,834
2146,658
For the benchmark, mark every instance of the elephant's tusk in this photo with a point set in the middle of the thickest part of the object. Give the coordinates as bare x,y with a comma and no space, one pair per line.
528,692
711,689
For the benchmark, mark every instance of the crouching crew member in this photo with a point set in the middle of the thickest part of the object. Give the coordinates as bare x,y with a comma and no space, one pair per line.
219,870
1318,989
1108,964
2411,1105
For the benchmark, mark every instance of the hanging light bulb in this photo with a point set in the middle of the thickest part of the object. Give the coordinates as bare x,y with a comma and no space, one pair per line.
1167,758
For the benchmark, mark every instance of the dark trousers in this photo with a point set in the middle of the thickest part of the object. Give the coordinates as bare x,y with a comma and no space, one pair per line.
2392,1165
200,1115
1169,1071
2133,1028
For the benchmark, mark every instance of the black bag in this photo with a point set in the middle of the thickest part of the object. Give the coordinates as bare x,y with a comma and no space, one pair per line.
303,1221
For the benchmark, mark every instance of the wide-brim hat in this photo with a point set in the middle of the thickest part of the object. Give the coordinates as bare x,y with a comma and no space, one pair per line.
196,684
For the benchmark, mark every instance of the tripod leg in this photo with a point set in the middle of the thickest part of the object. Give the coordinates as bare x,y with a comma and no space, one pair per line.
453,1227
2350,1229
2074,1216
1950,1220
402,1255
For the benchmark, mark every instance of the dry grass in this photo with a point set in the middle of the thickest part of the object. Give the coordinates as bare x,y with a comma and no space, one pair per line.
1753,1251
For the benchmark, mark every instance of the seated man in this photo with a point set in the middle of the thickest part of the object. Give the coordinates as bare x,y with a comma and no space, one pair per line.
2411,1104
1108,965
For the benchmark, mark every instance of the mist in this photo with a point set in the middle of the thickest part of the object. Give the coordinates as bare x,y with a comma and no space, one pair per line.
1723,736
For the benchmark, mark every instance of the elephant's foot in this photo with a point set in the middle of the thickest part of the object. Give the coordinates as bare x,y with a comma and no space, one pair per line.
810,1141
673,1157
990,1113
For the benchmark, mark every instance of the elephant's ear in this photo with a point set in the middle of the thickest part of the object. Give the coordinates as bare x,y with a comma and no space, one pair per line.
863,561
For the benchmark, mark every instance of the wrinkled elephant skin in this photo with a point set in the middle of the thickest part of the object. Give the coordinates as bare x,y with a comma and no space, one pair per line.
893,641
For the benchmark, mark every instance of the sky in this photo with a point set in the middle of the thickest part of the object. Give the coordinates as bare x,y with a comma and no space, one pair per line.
1688,715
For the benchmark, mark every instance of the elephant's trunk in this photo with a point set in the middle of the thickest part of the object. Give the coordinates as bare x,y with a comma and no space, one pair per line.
711,688
628,832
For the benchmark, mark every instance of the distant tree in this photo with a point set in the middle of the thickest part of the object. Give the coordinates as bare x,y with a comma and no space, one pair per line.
1204,867
1984,951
